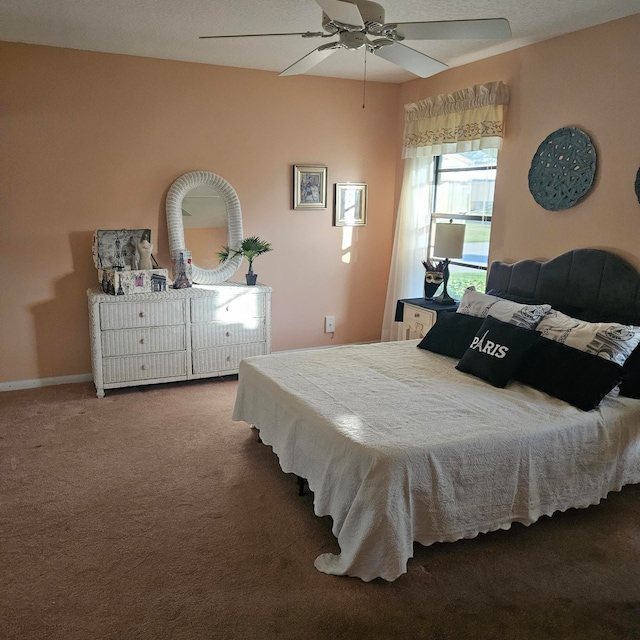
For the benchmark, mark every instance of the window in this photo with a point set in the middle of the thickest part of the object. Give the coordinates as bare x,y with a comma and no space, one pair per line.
463,193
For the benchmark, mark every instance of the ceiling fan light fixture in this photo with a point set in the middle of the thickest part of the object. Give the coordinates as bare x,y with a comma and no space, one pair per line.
353,40
354,20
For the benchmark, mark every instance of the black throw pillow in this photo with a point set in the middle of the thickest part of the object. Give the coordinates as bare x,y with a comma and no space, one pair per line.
630,386
452,334
579,378
496,351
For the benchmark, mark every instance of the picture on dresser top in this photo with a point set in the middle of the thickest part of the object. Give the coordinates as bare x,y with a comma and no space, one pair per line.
182,269
118,248
124,283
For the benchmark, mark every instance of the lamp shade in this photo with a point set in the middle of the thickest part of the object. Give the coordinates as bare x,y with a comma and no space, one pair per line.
449,240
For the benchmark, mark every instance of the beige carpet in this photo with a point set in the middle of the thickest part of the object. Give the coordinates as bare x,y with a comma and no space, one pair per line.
150,514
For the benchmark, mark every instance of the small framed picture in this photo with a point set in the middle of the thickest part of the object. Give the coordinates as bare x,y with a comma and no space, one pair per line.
350,205
309,187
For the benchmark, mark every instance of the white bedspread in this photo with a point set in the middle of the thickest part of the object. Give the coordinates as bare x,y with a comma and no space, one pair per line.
398,446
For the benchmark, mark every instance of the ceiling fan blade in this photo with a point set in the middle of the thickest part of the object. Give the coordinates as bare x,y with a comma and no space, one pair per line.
304,34
410,59
310,60
343,12
483,29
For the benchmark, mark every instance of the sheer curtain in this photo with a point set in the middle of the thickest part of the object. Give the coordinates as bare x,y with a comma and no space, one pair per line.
410,241
468,119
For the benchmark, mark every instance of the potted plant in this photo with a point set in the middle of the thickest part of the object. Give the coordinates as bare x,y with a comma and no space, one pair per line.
251,248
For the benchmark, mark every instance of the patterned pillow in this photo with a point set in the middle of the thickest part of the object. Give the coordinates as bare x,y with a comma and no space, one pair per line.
478,304
608,340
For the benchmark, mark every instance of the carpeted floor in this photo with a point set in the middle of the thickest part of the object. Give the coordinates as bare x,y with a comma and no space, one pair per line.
150,514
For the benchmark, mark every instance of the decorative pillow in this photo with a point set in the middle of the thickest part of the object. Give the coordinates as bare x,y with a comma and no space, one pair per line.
630,386
577,377
496,351
608,340
452,334
568,309
482,305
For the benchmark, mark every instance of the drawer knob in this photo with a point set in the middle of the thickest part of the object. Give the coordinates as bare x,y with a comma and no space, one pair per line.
228,358
228,334
227,309
141,340
416,315
145,367
142,314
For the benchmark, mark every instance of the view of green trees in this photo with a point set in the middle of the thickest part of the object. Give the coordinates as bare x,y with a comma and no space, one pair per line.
459,281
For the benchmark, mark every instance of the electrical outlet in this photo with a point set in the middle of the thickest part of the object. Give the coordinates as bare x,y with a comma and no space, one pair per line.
329,324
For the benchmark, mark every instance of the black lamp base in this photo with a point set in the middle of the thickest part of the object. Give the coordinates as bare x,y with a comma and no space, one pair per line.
444,297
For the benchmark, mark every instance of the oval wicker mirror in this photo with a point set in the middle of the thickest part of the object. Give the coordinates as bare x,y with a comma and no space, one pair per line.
175,226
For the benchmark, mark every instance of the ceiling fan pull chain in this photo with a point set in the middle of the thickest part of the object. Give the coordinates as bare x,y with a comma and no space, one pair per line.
364,83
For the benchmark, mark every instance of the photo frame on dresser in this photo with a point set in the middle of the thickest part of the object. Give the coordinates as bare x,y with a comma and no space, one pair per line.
309,187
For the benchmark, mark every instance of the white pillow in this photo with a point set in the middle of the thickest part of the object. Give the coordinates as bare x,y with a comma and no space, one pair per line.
478,304
608,340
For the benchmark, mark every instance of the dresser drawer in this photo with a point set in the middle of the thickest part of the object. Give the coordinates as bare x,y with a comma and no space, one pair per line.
125,342
228,308
223,359
206,334
141,314
197,332
417,321
145,367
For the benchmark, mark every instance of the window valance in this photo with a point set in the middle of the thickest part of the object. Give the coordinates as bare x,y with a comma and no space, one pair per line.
466,120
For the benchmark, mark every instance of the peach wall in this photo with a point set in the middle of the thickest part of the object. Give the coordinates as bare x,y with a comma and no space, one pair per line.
92,140
589,79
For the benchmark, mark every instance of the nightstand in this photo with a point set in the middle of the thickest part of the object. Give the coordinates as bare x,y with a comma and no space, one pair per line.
418,315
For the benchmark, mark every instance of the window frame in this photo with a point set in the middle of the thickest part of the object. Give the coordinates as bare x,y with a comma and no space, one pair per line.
439,217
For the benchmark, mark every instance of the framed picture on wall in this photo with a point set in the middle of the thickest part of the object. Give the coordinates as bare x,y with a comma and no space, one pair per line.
309,187
350,208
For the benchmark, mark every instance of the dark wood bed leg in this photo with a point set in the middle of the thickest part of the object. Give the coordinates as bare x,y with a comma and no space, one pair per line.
300,486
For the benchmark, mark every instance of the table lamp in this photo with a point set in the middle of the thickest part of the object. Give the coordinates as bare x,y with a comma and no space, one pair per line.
448,243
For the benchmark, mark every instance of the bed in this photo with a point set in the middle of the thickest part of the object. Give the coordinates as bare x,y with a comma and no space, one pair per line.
398,445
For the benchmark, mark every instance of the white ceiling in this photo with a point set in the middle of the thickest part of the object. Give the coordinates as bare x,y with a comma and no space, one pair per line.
170,29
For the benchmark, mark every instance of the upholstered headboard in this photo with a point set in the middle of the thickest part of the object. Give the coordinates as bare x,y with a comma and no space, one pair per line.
589,283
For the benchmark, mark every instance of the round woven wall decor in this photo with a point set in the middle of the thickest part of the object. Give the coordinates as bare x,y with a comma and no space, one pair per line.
562,169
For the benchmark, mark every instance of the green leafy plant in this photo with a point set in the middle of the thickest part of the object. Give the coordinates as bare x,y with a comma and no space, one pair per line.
251,248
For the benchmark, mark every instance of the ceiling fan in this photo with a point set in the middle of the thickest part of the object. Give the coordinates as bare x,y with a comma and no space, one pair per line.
360,23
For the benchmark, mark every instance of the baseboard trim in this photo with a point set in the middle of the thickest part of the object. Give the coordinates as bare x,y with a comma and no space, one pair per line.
44,382
87,377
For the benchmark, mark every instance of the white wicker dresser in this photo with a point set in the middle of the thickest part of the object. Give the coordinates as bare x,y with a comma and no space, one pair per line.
178,334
